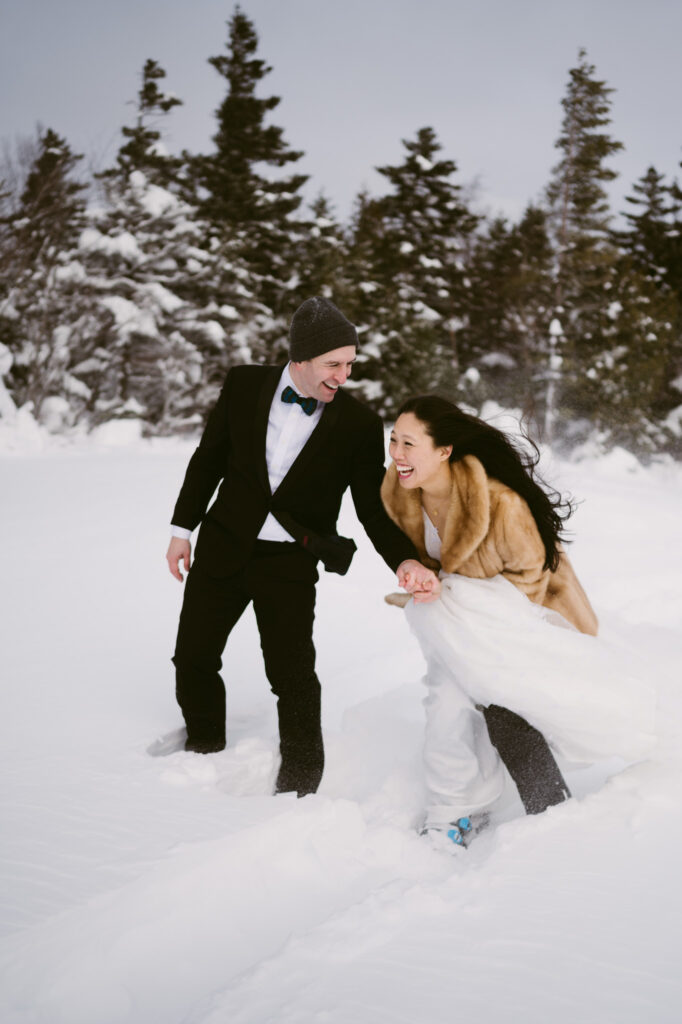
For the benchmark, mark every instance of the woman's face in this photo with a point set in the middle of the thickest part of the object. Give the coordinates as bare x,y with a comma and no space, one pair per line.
418,461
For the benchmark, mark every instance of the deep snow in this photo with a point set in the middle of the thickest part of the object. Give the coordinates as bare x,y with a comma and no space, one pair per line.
161,890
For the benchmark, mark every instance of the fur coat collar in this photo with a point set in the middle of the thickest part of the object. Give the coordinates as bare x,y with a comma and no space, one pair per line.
468,518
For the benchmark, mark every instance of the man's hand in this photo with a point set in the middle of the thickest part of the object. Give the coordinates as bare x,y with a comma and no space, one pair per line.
179,550
419,581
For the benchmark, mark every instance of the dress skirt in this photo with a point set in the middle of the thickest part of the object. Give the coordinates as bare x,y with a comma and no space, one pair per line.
486,643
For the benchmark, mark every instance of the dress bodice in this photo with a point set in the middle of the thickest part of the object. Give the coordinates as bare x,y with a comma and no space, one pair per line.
431,538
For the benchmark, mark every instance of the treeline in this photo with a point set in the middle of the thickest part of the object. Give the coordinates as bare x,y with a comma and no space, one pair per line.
131,295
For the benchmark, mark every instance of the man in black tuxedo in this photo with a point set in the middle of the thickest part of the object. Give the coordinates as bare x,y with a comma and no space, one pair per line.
284,443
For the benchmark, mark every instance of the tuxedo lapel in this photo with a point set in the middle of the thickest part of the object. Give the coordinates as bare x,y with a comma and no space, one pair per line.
315,442
267,393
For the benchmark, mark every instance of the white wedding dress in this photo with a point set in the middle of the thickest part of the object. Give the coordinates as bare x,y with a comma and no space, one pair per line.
486,643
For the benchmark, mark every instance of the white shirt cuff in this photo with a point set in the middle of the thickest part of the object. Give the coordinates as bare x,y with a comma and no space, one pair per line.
180,531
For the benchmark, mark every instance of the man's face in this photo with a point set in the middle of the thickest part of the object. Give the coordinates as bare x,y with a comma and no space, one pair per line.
320,377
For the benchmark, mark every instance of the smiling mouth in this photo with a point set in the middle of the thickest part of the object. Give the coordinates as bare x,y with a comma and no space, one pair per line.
404,472
331,387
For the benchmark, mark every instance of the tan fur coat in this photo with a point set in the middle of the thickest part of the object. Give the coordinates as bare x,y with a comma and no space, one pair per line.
489,529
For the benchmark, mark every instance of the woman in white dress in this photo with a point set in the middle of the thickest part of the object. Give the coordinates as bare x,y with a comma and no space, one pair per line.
513,628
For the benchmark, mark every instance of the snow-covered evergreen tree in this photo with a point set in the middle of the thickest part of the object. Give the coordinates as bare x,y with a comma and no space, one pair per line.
144,149
408,261
321,254
47,320
135,252
578,200
249,210
177,293
235,192
626,385
653,237
674,250
652,245
613,338
648,218
504,339
173,299
674,280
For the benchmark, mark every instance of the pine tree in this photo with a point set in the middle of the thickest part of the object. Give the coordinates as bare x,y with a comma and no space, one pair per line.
365,296
586,258
134,253
236,193
46,318
652,245
577,197
176,286
614,325
649,220
674,251
673,279
7,406
531,293
413,246
51,205
143,151
505,338
233,194
321,254
653,239
180,299
626,384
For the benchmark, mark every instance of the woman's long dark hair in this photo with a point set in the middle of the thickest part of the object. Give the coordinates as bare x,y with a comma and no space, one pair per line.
446,424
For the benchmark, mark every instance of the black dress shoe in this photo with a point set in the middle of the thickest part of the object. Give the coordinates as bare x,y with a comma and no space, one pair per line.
298,790
199,746
300,782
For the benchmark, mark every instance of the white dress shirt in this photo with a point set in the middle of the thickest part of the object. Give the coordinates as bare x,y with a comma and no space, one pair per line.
289,427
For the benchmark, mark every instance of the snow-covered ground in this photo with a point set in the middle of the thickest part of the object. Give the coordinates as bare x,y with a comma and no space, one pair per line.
140,890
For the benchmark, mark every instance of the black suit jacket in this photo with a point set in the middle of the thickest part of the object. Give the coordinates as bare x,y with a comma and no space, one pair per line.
346,449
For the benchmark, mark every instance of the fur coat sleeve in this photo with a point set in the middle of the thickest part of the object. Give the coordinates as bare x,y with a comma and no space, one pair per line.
489,529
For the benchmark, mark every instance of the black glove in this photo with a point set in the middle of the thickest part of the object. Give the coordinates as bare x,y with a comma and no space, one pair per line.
335,553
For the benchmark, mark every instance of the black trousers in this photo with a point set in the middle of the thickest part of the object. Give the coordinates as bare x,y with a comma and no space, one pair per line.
528,759
280,581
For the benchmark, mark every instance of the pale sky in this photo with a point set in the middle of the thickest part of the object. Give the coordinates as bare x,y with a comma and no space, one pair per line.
356,77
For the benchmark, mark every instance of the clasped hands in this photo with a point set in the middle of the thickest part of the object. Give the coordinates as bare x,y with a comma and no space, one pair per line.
417,580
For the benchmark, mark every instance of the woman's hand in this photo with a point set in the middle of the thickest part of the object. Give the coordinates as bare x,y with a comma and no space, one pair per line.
417,580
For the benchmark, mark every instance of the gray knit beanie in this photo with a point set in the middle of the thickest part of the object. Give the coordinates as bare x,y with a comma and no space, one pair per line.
317,327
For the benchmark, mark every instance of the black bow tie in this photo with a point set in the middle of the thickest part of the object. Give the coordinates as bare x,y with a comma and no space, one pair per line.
309,405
